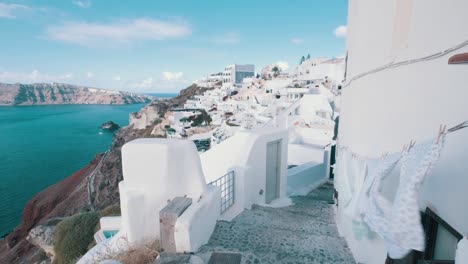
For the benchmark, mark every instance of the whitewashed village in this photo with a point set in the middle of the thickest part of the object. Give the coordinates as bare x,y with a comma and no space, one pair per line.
359,158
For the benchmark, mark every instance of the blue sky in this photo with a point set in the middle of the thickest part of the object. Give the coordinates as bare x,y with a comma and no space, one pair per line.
159,46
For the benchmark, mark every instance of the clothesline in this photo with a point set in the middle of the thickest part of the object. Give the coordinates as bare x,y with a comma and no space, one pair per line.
357,155
406,62
359,185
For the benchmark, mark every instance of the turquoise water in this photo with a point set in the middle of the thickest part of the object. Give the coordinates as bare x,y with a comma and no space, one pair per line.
40,145
109,233
163,95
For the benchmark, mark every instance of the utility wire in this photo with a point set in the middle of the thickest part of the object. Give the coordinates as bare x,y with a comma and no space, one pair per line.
407,62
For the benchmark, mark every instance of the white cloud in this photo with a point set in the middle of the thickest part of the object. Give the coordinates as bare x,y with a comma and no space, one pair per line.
82,3
117,78
10,10
89,75
227,38
32,77
66,76
297,41
117,33
166,82
284,65
172,76
145,84
340,31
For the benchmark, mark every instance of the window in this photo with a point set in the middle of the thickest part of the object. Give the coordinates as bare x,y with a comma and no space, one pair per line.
441,238
441,242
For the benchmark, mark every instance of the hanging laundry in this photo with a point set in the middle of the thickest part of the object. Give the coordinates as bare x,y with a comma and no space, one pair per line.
357,168
375,167
375,208
362,231
360,203
461,256
349,179
405,215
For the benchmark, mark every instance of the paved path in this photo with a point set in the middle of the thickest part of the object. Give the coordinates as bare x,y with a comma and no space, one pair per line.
301,233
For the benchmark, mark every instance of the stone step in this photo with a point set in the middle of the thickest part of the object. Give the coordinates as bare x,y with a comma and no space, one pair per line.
281,219
313,212
304,232
271,242
170,258
225,258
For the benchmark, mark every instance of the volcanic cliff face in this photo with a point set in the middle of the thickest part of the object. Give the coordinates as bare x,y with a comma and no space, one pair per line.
58,93
84,190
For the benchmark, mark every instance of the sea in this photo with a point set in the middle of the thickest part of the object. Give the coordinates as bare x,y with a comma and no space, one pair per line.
41,145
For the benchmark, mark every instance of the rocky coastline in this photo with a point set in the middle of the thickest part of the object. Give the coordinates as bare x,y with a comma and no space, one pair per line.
71,195
59,93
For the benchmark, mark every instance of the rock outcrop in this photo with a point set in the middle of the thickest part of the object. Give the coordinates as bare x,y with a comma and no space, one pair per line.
42,236
70,196
110,125
59,93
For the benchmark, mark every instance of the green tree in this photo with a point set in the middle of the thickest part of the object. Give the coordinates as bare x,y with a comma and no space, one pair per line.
308,56
302,60
276,70
206,117
202,118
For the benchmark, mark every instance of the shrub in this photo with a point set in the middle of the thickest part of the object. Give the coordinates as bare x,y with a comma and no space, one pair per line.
73,236
112,210
157,121
102,185
141,254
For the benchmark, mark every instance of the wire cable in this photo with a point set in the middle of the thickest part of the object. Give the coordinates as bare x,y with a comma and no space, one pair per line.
407,62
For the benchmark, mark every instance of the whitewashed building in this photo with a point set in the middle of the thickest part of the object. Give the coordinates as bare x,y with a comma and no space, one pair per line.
234,75
322,68
399,87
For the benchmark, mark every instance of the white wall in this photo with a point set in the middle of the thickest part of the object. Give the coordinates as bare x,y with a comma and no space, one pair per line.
307,176
245,153
302,153
110,222
195,226
155,171
312,104
383,111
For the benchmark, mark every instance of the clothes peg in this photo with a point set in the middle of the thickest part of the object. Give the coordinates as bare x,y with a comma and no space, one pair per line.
411,145
442,129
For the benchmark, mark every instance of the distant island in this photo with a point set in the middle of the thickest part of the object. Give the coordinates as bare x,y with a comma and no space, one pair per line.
60,93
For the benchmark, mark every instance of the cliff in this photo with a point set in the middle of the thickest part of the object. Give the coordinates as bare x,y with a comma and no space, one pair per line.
83,190
59,93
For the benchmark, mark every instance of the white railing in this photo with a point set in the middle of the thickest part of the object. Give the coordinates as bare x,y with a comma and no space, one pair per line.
226,183
285,113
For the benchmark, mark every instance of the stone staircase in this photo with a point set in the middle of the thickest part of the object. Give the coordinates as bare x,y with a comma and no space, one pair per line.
301,233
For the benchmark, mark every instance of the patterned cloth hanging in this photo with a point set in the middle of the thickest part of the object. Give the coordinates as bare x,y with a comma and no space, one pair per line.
406,219
399,223
375,207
